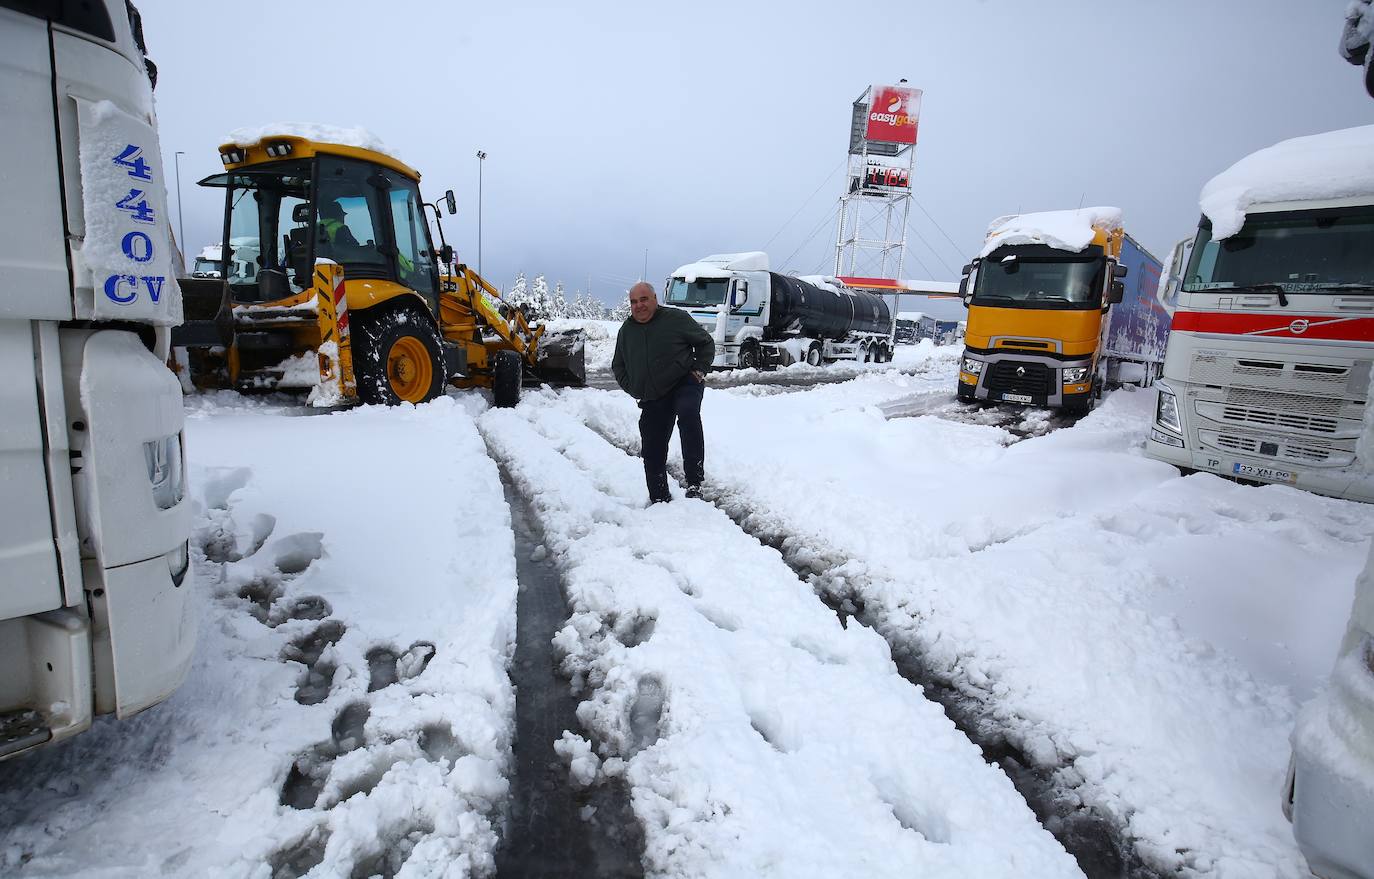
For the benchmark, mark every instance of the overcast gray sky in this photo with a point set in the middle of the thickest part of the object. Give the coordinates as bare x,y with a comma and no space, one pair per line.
692,128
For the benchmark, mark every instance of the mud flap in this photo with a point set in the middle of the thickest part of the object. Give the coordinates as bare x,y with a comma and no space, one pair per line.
562,358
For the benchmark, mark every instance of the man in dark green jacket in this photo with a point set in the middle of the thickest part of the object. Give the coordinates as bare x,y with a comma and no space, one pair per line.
661,358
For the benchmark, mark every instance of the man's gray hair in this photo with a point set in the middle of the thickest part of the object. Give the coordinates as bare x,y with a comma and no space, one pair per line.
646,285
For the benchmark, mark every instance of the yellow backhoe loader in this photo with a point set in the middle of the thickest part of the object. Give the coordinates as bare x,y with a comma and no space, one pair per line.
330,282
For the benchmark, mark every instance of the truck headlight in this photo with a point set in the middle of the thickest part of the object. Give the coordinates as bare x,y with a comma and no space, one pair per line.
166,470
1166,411
972,367
1074,375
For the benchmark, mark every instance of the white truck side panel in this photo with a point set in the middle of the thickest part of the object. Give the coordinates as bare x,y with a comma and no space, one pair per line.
53,399
150,632
126,398
33,258
28,555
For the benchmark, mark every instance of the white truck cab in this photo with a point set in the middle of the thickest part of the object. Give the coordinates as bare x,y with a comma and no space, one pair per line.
95,612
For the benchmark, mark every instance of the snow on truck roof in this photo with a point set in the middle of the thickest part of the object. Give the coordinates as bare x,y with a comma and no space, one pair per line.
210,251
720,265
1062,230
1319,167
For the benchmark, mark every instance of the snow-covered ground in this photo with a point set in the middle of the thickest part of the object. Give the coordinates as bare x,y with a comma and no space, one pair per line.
1140,640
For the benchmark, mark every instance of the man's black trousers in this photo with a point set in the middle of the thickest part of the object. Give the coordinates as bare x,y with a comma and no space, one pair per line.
656,417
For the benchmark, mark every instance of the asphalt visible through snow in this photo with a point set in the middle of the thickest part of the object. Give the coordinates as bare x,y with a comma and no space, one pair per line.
554,831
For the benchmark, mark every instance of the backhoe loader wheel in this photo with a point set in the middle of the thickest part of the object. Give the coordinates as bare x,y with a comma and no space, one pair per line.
506,372
398,358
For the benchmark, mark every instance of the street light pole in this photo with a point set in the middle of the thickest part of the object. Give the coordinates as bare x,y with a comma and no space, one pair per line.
181,222
481,157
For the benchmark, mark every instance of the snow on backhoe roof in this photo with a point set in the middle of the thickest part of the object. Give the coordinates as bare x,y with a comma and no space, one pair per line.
1062,230
350,137
720,265
1336,164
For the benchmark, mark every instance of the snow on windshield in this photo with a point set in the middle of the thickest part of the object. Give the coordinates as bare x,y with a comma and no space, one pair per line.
1062,230
1336,164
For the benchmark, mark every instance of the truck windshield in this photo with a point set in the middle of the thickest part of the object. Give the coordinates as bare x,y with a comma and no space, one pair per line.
702,291
1296,251
1040,277
205,268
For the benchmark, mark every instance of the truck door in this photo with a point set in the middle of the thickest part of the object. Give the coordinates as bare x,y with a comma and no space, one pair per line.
34,286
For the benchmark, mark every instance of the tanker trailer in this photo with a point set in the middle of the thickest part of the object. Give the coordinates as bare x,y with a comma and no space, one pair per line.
761,318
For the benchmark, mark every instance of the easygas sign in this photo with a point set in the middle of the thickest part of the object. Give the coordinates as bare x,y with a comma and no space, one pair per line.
892,114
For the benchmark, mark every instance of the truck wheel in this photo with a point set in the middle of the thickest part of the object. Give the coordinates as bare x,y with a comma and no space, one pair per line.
749,356
398,358
813,354
884,355
506,375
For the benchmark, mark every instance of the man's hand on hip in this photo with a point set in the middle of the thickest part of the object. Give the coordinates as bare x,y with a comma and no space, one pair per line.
699,376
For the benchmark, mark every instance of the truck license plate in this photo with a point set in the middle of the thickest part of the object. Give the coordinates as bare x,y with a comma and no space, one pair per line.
1016,398
1268,473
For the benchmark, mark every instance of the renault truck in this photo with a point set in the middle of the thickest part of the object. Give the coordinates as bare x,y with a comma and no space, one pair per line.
1061,304
1267,373
96,615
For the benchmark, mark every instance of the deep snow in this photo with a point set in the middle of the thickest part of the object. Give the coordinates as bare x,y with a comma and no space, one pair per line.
1144,639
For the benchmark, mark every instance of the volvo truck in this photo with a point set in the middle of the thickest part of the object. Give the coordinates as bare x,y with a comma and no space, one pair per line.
1062,304
1267,373
96,615
762,318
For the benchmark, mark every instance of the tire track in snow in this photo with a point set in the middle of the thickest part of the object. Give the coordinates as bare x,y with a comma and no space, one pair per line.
758,735
1097,840
556,828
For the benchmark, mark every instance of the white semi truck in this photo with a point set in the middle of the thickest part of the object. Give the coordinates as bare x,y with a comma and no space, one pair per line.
1267,372
95,611
761,318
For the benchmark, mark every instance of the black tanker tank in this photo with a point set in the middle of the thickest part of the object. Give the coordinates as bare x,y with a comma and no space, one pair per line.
802,308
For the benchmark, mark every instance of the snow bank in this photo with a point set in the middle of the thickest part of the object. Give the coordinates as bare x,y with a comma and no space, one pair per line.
1336,164
349,709
352,137
1062,230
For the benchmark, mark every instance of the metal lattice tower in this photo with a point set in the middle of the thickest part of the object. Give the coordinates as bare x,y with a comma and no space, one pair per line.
870,240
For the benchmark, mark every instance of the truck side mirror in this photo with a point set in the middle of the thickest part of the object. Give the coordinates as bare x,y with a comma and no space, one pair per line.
446,254
452,204
965,282
739,292
1115,292
1120,271
301,213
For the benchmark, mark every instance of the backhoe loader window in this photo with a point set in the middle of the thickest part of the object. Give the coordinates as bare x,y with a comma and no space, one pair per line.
263,233
414,263
347,227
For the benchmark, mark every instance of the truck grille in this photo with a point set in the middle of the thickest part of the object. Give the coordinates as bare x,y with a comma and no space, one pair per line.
1268,418
1324,380
1299,451
1036,379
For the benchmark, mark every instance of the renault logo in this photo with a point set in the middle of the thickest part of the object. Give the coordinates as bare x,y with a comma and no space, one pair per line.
1021,370
1298,327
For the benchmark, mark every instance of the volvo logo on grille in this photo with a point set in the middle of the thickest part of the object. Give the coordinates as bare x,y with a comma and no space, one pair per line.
1298,327
1021,370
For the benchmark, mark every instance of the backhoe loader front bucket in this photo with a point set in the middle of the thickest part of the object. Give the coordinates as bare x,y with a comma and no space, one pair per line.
561,358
